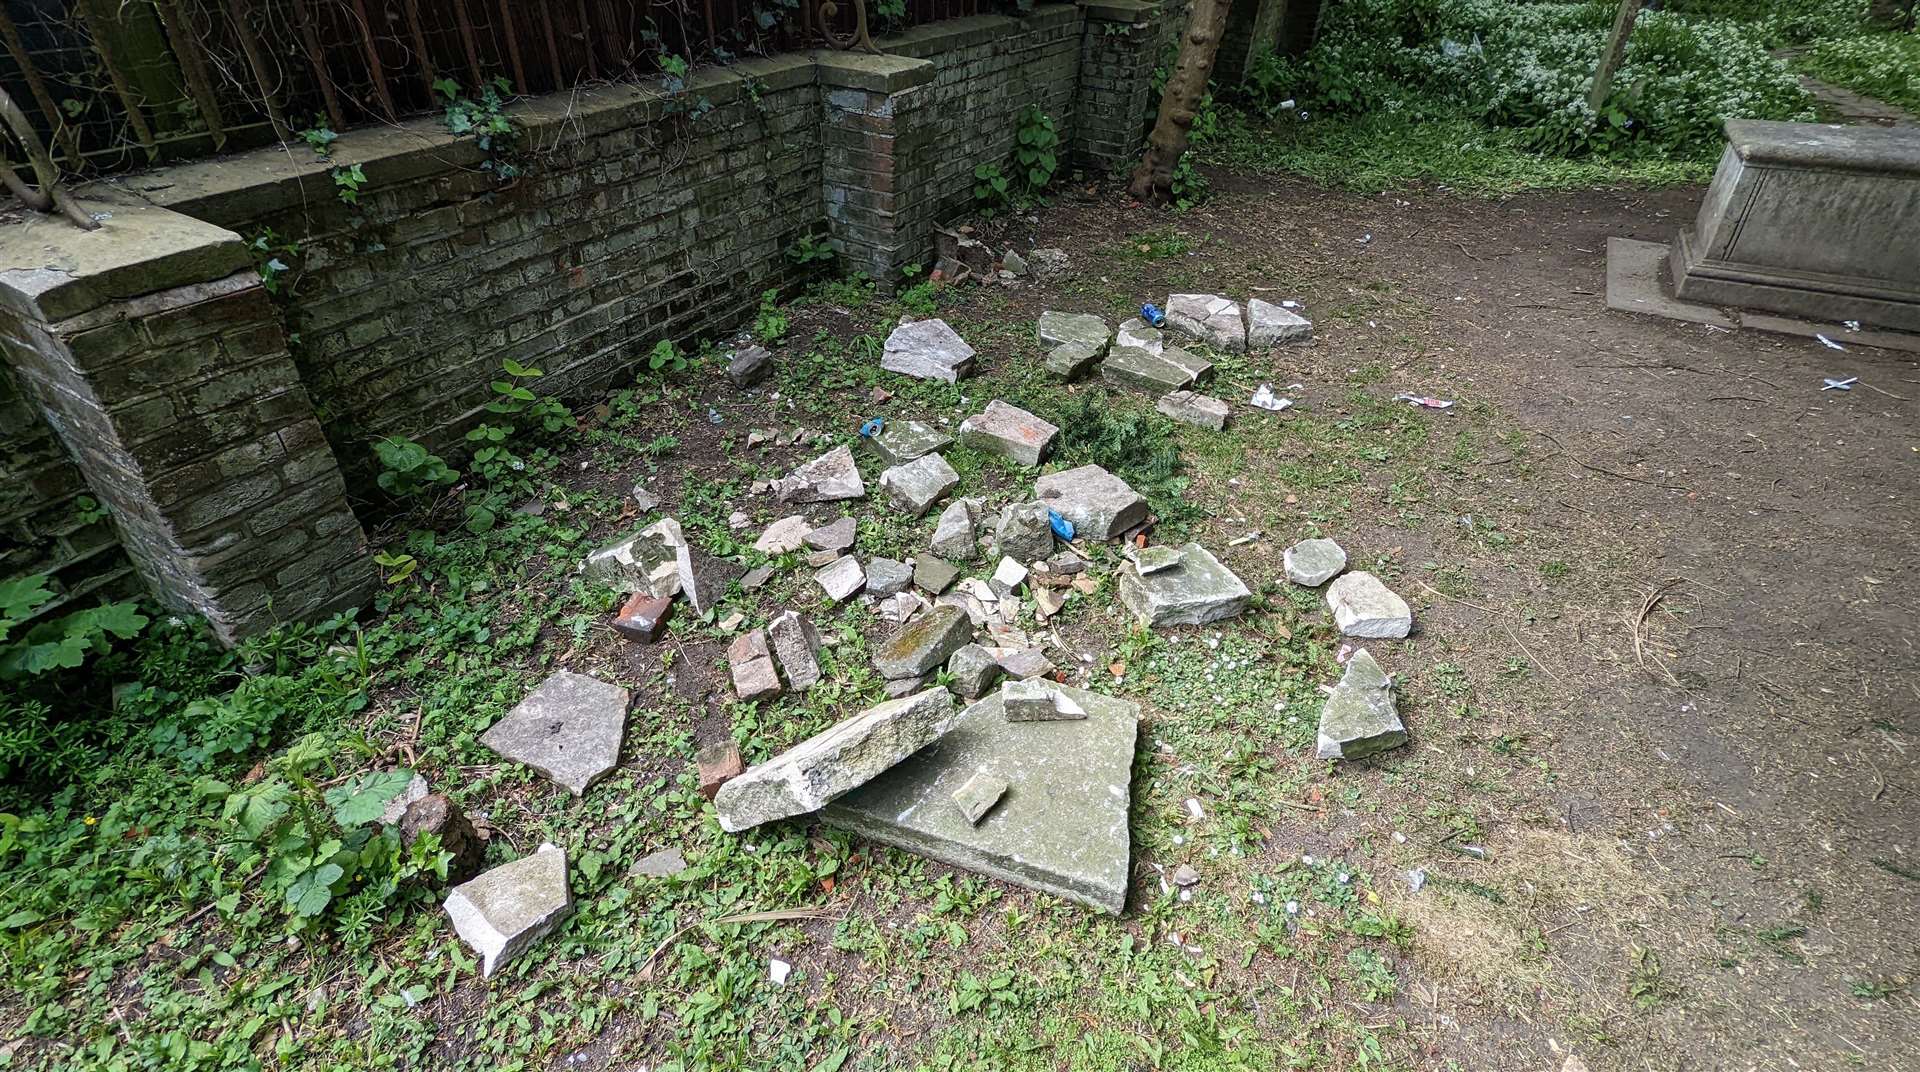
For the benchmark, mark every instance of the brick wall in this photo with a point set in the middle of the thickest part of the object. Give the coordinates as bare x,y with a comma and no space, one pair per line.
43,528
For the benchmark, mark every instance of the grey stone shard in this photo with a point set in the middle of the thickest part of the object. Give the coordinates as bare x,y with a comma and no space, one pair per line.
1270,325
1009,431
785,535
502,912
974,671
1212,319
749,365
1359,718
899,442
1071,360
1007,578
1062,827
568,729
1363,607
956,535
886,576
935,575
662,864
750,661
1049,264
1312,563
915,486
924,644
643,563
978,796
1013,262
1025,664
1101,506
1196,591
1171,369
1025,533
838,760
1038,700
841,578
796,645
1086,329
836,537
1141,335
928,349
832,476
1189,407
703,578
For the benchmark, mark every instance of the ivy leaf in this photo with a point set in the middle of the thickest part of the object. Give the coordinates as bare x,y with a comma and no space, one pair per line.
363,799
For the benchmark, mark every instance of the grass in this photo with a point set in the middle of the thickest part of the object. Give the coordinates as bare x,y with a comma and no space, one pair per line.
1377,153
1885,66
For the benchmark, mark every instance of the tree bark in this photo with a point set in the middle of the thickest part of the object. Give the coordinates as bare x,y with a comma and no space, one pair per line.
1616,51
1180,102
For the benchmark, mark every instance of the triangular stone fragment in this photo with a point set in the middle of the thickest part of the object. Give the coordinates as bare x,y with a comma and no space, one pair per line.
568,729
832,476
928,349
502,912
1359,718
1061,827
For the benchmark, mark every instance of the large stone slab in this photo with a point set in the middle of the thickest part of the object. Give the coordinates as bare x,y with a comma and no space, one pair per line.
928,349
1172,369
1061,826
1212,319
568,729
1194,591
1101,506
924,644
1009,431
1086,329
913,487
835,761
899,442
1359,718
502,912
1270,325
1364,607
828,478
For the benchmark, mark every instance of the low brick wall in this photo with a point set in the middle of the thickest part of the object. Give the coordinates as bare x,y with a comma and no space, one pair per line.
637,216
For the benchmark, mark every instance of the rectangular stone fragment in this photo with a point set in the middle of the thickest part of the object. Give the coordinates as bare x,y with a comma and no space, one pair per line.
1038,700
1101,506
978,796
836,761
1270,325
1009,431
1191,407
1171,369
1198,590
899,442
924,644
913,487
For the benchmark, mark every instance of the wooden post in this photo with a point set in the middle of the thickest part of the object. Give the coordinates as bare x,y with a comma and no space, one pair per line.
1616,50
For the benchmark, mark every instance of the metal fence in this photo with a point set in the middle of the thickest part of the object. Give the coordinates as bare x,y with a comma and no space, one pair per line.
112,84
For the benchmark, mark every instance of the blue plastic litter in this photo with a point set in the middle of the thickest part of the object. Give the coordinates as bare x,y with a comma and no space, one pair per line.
1151,313
1061,526
872,427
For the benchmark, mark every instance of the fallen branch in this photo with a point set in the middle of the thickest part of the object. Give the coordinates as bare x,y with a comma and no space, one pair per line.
1637,626
772,916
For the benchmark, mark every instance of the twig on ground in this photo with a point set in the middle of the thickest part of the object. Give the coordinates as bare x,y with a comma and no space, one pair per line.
1577,460
1889,394
1455,599
1531,657
1637,626
646,967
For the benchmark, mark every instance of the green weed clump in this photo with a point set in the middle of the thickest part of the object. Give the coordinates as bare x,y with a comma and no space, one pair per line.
1883,66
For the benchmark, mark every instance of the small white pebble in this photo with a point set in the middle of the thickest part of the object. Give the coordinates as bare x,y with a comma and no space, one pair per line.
778,970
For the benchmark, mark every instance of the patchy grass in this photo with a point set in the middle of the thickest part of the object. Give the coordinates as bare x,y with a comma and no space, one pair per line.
1885,66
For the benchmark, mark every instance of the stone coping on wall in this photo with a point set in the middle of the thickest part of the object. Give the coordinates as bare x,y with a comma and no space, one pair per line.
51,270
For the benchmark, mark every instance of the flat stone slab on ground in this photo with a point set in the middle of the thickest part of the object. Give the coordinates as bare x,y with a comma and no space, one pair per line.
703,578
1198,590
1071,360
1009,431
1191,407
887,576
913,487
935,575
835,536
1101,506
928,349
1214,320
1312,563
1270,325
840,578
1364,607
836,761
502,912
1139,333
924,644
828,478
1359,718
1061,827
899,442
568,729
785,535
1172,369
1085,329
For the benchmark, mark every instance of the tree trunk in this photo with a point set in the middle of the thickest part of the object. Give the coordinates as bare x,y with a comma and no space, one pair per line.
1180,102
1615,52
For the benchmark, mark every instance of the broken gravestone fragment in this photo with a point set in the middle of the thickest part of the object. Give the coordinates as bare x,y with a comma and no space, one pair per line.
837,537
703,578
841,578
1189,407
1009,431
568,729
796,644
974,671
1195,591
1025,533
750,661
664,863
785,535
1359,718
644,563
1101,506
1071,360
934,575
1171,369
1141,335
887,576
836,761
956,534
1270,325
1312,563
924,644
1062,829
504,911
928,349
978,796
749,365
828,478
1364,607
1038,700
913,487
899,442
1081,329
1212,319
